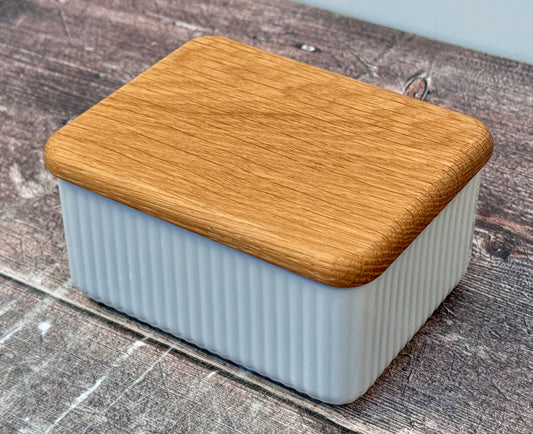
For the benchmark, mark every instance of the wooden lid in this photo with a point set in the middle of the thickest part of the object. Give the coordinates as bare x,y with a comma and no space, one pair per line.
312,171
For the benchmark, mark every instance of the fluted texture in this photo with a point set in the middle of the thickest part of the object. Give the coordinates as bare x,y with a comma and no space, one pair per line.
330,343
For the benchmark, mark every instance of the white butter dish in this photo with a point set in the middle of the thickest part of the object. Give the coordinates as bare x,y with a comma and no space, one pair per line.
297,222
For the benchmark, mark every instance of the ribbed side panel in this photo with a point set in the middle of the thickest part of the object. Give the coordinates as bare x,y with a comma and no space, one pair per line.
403,297
327,342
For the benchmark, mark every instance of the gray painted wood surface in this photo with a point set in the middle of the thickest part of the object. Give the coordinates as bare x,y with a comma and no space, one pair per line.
68,364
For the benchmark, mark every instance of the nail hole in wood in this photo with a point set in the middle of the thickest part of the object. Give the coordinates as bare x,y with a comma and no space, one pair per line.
309,48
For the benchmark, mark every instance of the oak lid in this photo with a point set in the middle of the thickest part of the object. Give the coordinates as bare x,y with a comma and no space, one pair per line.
312,171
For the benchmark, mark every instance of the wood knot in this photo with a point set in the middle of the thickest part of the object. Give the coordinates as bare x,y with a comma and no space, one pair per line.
417,86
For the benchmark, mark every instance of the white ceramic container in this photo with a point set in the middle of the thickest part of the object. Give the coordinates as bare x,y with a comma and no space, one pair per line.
329,343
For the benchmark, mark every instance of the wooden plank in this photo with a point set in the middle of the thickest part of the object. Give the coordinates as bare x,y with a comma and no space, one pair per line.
470,367
59,376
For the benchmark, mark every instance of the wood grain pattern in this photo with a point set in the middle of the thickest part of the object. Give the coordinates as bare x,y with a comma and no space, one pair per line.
323,175
468,370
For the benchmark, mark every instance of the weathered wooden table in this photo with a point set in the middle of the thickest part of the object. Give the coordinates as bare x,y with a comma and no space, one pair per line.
68,364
